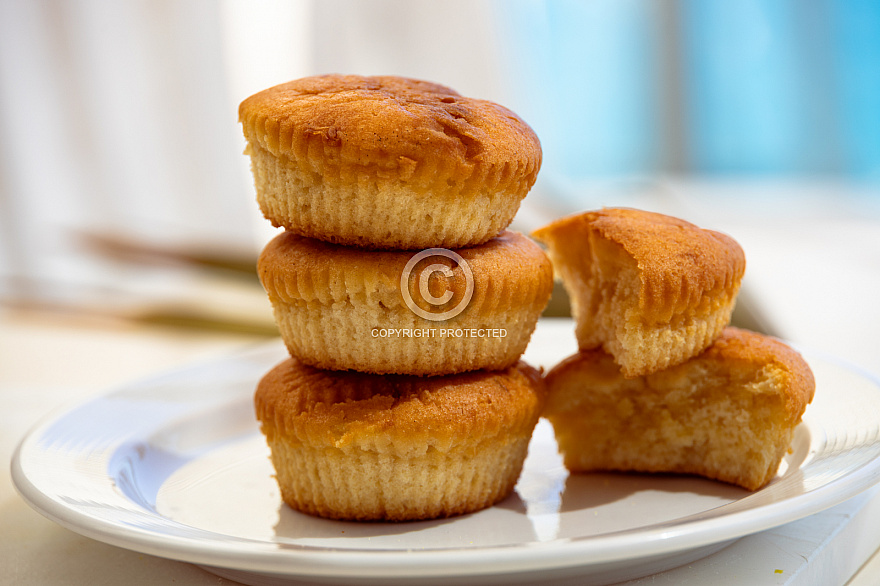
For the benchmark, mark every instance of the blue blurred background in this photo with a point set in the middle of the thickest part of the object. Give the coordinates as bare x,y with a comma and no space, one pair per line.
750,87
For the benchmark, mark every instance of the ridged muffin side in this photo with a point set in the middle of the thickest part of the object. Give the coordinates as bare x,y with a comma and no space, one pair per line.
343,308
348,445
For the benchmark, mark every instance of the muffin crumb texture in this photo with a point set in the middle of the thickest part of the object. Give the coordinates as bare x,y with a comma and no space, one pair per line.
728,414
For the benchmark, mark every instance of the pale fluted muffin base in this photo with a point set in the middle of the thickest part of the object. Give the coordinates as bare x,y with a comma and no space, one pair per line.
359,485
344,337
366,211
645,348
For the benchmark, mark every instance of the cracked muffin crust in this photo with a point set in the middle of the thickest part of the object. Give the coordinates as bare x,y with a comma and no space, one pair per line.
387,162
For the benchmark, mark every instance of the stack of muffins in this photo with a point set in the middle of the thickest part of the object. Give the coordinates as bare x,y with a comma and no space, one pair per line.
403,301
661,383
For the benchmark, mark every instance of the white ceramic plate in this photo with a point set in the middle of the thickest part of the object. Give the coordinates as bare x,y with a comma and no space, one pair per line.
175,467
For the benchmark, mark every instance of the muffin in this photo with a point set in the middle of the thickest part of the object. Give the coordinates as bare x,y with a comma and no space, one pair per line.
348,445
387,162
341,307
727,414
649,289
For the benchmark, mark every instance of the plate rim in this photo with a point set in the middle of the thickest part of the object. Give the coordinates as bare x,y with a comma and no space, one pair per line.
306,560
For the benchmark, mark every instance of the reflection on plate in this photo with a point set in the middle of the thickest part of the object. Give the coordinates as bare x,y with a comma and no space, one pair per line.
176,467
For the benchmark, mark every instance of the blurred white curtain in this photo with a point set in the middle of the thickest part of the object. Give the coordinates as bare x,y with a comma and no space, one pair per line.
119,119
116,121
454,42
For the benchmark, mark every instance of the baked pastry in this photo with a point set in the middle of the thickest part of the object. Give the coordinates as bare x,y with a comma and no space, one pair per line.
650,289
387,162
341,307
728,414
348,445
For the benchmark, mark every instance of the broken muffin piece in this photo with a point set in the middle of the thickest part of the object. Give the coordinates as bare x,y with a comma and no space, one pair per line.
728,414
651,290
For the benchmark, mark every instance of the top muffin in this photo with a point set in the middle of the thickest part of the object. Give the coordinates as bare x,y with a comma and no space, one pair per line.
387,162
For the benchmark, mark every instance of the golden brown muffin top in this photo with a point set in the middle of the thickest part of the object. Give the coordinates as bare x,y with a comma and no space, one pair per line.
735,345
397,413
415,129
677,261
508,270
